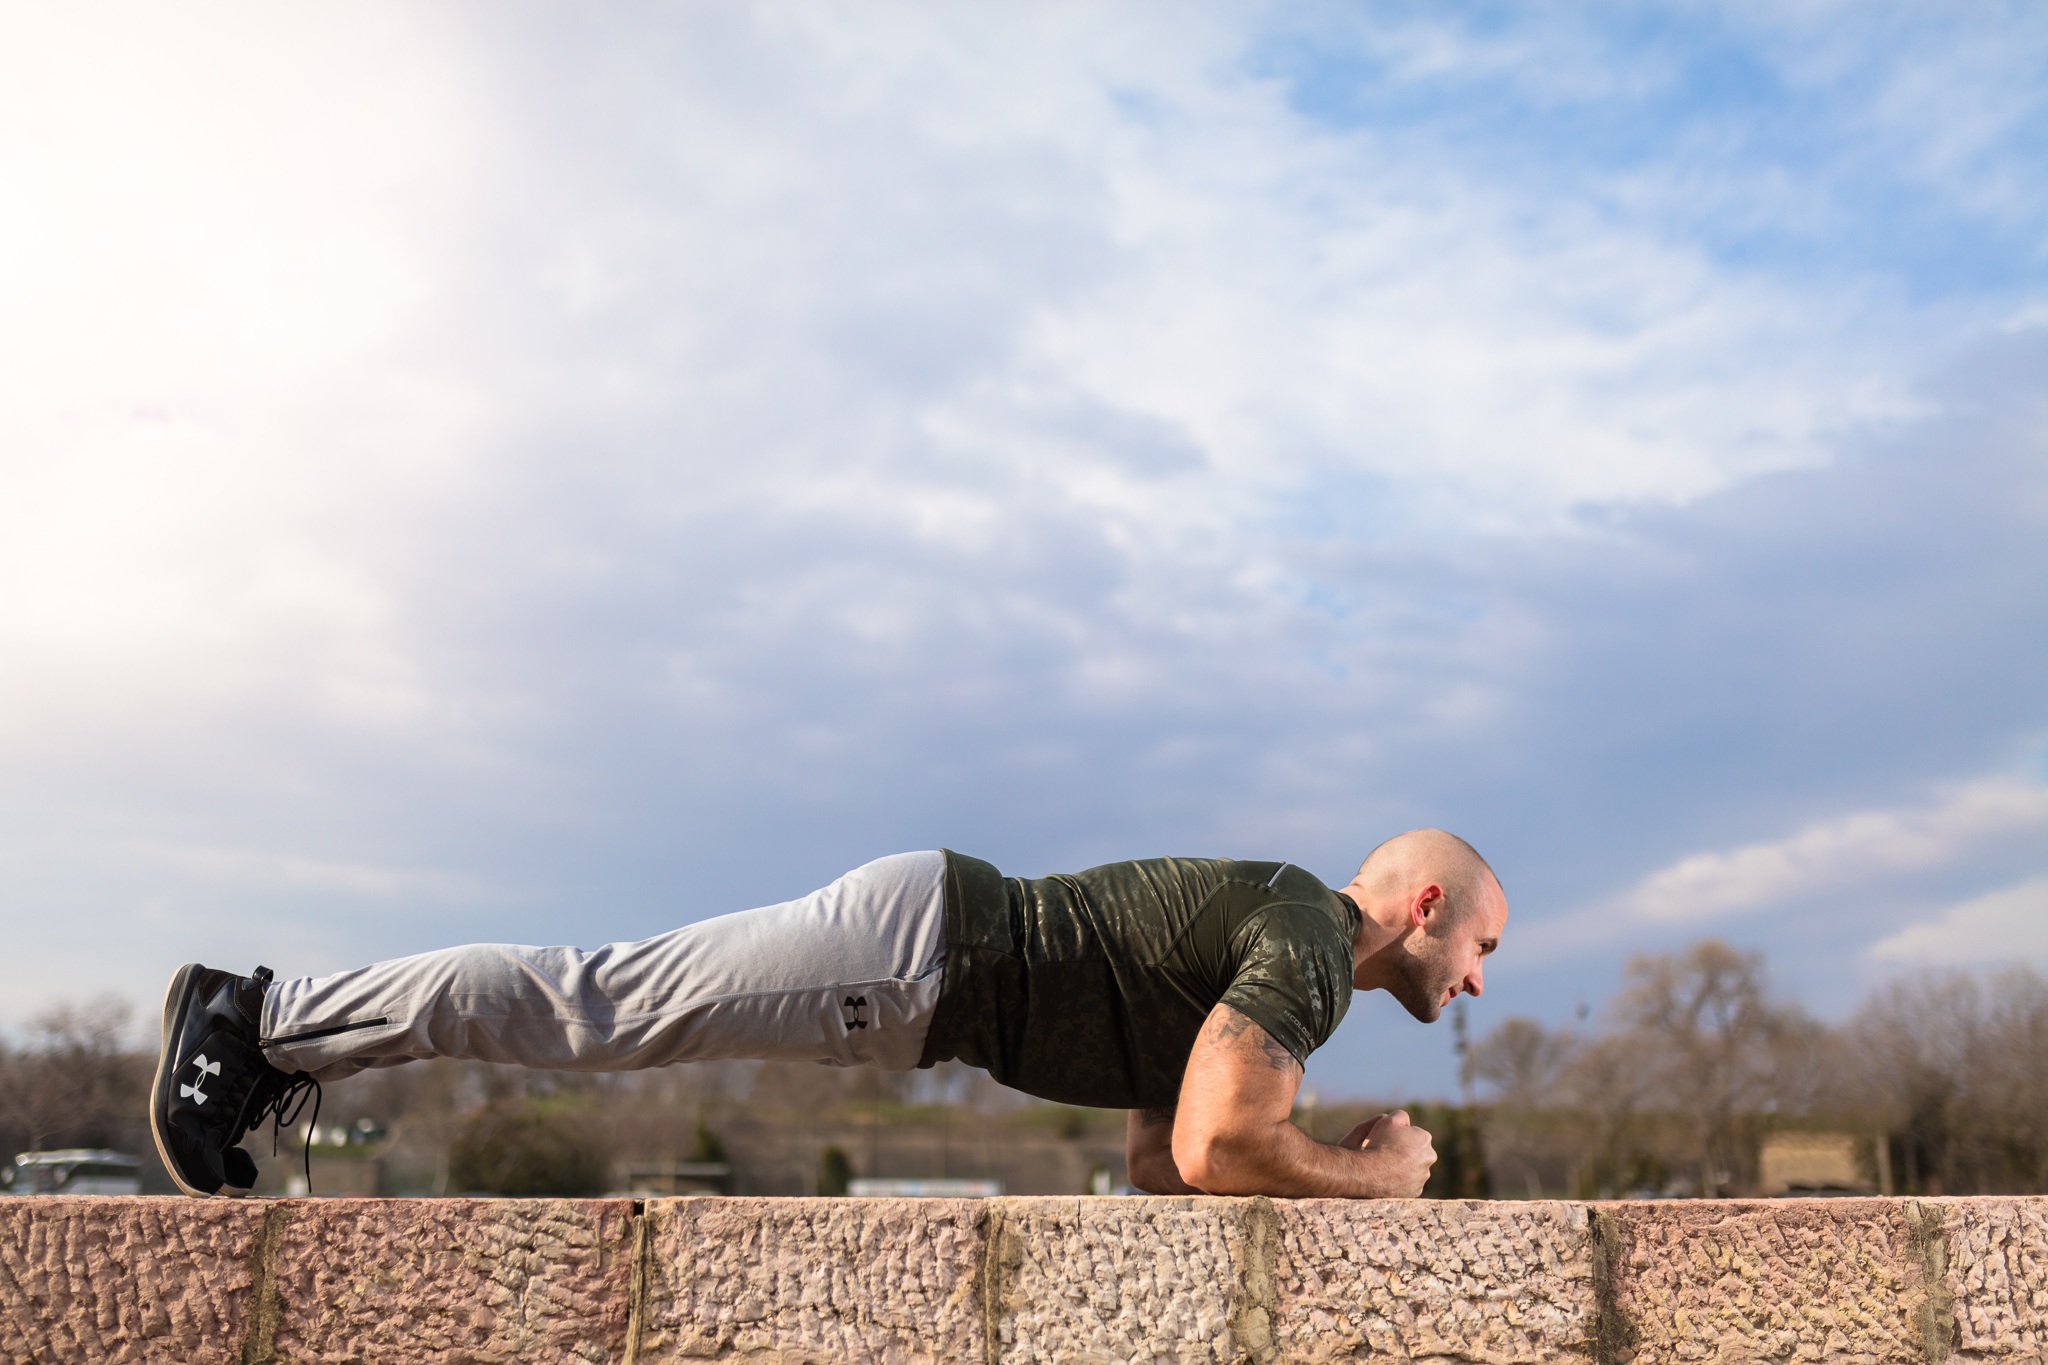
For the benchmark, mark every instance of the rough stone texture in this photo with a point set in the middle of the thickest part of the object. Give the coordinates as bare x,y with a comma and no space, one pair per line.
1996,1276
811,1280
465,1282
1102,1280
1837,1280
93,1280
474,1280
1500,1282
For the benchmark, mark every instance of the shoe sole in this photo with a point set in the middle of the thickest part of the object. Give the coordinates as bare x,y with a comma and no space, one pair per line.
159,1090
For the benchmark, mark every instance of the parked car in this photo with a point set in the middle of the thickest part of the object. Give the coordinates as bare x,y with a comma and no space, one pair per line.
74,1170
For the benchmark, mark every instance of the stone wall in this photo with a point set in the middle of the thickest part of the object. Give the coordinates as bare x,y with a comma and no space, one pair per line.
1048,1279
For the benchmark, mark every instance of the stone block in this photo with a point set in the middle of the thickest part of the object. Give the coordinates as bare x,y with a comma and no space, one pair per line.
93,1280
889,1281
1996,1276
1121,1279
1500,1282
1840,1280
471,1280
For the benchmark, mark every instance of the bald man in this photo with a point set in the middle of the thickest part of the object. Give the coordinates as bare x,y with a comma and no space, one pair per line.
1189,991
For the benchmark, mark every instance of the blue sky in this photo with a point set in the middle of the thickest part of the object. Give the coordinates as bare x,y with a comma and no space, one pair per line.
500,472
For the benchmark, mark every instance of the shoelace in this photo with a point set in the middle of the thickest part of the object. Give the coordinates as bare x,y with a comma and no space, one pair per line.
300,1087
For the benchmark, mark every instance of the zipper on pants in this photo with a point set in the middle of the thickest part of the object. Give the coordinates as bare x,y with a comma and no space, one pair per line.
311,1034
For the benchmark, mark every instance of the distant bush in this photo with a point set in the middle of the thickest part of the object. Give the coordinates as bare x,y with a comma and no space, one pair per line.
529,1147
708,1147
1460,1170
835,1172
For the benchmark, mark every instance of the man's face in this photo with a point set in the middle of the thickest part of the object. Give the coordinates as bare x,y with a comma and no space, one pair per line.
1441,961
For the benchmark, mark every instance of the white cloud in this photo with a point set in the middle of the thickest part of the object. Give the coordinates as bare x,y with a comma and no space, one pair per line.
218,240
263,868
2000,926
1840,852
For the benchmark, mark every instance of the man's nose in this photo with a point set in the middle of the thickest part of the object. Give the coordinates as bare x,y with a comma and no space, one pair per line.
1475,980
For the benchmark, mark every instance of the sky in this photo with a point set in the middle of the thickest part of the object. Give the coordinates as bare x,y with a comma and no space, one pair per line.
519,472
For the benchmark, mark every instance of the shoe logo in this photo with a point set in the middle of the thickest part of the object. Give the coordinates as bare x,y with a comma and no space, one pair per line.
853,1007
204,1069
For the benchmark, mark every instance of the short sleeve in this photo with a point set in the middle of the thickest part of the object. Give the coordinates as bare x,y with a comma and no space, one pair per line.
1293,975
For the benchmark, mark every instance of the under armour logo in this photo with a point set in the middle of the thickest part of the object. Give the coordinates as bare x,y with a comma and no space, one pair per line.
204,1068
854,1005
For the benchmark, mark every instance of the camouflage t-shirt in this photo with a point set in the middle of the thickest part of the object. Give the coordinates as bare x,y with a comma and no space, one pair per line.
1090,988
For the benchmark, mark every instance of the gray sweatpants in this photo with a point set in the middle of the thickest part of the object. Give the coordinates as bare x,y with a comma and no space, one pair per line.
848,975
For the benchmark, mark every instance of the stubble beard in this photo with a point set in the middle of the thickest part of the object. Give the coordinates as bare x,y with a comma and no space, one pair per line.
1423,978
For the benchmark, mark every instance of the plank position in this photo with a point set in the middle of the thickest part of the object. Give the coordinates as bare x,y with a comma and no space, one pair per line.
1187,990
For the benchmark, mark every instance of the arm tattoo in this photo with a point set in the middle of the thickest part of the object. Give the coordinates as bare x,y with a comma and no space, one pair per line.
1152,1118
1232,1026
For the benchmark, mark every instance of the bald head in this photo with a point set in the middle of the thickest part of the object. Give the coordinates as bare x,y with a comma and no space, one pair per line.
1430,911
1431,855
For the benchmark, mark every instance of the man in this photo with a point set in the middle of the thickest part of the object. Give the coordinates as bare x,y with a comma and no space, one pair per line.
1189,991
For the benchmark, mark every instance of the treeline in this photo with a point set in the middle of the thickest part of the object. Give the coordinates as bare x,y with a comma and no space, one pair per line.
1692,1068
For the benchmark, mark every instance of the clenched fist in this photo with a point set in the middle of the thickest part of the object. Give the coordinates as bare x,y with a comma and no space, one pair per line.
1406,1152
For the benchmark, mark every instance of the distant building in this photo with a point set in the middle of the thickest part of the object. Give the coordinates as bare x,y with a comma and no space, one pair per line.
340,1175
1811,1164
926,1189
667,1179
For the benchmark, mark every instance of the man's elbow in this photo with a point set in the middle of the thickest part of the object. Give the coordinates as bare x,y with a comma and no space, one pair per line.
1221,1162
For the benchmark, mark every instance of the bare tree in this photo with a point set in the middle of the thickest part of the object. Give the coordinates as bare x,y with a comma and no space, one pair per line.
1954,1070
1717,1045
1521,1060
1610,1084
1532,1137
74,1083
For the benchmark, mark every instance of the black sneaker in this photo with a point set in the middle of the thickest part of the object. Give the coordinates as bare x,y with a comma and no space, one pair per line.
213,1083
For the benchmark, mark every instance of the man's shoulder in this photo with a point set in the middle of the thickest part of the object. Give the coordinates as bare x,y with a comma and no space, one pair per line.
1270,873
1300,899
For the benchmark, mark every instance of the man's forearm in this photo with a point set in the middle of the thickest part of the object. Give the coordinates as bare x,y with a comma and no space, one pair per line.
1281,1160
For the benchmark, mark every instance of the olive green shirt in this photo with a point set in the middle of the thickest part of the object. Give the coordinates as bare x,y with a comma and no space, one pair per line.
1090,988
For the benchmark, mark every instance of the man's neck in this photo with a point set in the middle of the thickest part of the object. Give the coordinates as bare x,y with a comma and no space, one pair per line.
1381,922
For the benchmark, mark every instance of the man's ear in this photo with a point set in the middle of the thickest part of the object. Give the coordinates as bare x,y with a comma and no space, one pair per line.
1428,901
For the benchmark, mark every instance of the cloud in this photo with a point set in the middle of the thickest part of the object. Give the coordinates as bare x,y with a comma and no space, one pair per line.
1838,853
1998,926
270,870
